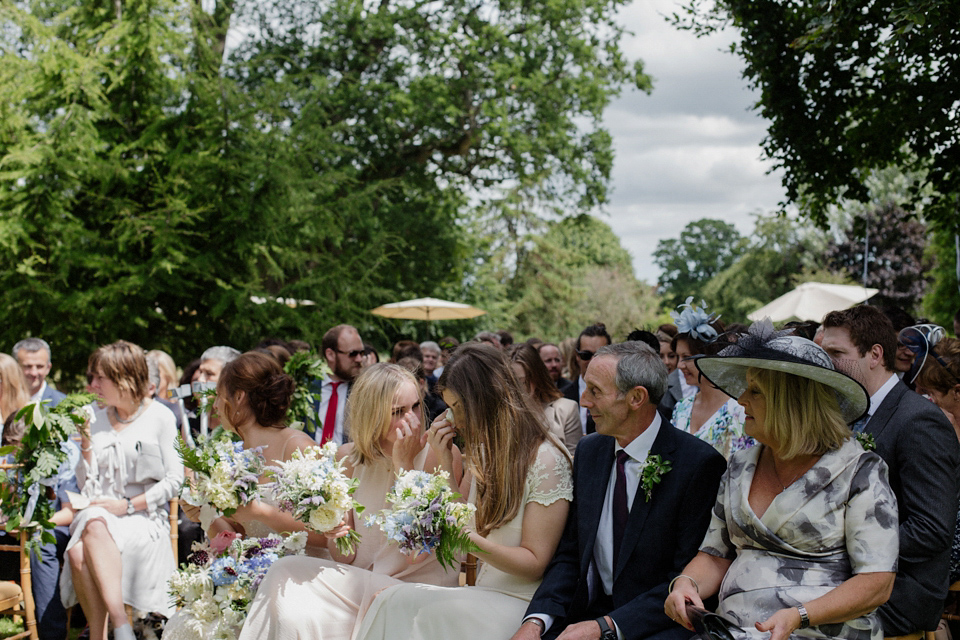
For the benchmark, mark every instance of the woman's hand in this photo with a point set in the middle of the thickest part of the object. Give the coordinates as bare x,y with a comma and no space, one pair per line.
781,624
440,436
408,443
676,605
116,507
339,531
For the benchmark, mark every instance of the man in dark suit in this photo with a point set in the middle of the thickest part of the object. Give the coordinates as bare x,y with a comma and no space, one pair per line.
33,354
920,447
626,537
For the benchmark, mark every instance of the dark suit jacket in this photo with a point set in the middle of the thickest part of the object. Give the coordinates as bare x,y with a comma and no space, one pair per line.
53,396
918,444
661,535
572,392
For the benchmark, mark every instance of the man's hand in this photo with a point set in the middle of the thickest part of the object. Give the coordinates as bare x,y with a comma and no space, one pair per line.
586,630
529,630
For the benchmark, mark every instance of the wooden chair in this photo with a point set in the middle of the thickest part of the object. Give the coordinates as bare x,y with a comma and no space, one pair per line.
16,599
468,569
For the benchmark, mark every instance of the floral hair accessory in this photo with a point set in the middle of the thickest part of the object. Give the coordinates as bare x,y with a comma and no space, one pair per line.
694,321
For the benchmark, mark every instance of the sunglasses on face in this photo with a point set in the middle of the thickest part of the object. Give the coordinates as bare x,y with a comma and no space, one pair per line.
356,353
585,355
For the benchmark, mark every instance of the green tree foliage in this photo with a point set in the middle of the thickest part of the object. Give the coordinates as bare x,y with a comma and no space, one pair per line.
896,264
574,275
943,298
850,87
153,179
705,248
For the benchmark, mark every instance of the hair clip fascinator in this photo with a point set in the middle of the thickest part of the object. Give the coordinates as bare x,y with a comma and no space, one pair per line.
920,339
693,320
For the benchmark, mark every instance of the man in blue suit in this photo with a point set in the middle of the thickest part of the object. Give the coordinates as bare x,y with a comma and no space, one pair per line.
629,532
33,354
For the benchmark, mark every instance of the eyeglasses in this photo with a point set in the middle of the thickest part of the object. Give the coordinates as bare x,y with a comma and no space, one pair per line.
356,353
585,355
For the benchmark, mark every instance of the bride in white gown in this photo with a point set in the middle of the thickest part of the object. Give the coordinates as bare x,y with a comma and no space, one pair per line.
524,489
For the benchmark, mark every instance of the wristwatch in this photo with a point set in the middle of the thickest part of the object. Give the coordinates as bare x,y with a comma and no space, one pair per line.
606,633
130,508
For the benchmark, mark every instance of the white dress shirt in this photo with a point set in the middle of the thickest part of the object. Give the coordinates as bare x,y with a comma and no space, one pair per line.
326,390
38,396
881,394
581,387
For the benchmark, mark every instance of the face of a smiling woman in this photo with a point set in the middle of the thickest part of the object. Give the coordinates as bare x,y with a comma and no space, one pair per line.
755,407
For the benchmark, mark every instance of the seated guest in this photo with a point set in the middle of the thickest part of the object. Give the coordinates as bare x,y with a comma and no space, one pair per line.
642,493
522,496
433,404
562,415
119,550
709,414
447,347
921,449
14,394
553,361
588,342
314,598
33,355
431,359
939,380
803,540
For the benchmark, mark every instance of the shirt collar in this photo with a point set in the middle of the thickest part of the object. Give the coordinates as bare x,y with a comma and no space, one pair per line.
38,396
639,447
882,392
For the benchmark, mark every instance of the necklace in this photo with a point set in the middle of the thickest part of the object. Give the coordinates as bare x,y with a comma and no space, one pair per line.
776,473
116,416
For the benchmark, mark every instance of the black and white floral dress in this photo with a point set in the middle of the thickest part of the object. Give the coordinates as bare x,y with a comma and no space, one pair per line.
837,520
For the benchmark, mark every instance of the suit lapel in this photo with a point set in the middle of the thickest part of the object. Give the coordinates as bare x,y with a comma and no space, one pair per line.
664,446
592,495
880,418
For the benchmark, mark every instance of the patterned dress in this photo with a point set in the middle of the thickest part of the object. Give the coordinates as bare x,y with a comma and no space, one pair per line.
724,429
492,609
837,520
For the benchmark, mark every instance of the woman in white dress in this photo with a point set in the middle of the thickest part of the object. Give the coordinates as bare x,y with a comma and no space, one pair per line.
119,551
323,599
523,493
562,414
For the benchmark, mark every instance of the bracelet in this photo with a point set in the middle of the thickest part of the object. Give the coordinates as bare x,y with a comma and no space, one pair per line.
672,582
86,449
804,618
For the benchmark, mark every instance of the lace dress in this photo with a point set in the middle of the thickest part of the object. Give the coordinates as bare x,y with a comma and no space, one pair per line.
495,607
723,430
141,458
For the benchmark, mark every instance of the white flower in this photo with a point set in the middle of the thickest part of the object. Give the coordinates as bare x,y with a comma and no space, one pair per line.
324,519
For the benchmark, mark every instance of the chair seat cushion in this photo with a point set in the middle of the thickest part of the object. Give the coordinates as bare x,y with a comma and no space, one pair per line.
10,595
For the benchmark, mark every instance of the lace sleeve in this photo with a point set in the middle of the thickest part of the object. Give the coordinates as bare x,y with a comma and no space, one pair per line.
550,477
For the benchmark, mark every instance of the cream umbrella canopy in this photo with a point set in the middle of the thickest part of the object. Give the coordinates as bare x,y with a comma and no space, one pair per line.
812,301
428,309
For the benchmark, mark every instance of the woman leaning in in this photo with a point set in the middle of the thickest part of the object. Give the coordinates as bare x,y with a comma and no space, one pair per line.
562,415
803,539
119,550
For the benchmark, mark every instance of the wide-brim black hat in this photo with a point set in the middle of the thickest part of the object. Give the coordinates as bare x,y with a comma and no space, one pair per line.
764,348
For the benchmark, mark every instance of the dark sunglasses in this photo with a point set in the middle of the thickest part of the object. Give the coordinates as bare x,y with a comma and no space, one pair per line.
585,355
356,353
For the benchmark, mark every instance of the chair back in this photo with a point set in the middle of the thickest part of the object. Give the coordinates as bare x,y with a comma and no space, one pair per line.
16,598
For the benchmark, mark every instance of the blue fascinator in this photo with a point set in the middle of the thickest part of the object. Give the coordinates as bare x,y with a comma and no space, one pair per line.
693,320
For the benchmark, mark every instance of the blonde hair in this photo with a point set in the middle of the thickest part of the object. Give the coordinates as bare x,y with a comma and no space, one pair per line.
501,429
125,365
803,415
371,409
14,393
167,367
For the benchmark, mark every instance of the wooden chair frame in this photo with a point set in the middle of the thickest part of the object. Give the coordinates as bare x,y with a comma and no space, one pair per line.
21,605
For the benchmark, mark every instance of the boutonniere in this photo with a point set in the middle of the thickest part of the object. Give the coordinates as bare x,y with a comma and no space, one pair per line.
866,441
654,468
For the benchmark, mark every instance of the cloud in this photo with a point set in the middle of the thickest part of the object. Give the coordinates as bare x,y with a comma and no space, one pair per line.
689,150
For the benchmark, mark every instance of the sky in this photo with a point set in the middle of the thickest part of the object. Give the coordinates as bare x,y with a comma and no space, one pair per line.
691,148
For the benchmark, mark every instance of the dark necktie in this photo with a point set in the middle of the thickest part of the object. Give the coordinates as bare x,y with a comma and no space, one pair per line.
620,510
331,420
860,424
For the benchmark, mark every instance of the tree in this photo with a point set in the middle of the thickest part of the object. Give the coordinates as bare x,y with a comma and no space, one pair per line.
153,180
896,264
850,87
705,248
943,297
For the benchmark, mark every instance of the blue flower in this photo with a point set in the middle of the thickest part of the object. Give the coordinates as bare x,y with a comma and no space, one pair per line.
224,571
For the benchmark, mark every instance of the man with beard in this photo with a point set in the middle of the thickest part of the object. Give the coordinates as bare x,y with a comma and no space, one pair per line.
343,349
550,354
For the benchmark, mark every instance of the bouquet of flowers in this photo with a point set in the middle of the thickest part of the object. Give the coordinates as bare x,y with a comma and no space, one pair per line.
215,587
426,517
227,476
313,487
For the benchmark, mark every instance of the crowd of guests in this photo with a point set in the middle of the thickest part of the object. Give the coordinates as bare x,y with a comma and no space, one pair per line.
799,481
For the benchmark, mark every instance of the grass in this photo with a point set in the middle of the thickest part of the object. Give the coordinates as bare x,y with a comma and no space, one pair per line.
9,628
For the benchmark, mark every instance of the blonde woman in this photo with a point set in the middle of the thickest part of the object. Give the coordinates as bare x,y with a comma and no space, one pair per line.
523,492
14,394
322,599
